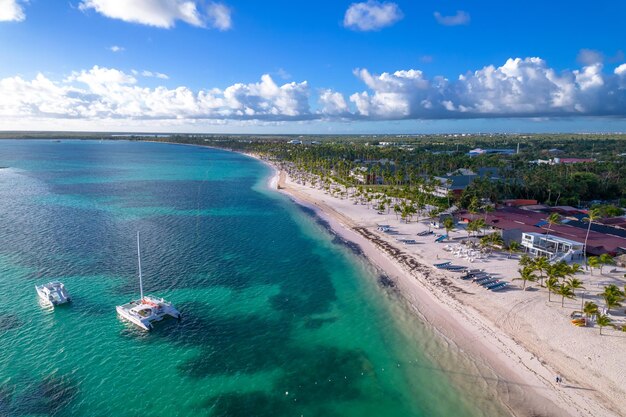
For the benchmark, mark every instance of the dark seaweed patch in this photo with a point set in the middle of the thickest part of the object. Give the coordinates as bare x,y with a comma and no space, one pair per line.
337,239
9,322
49,396
312,378
386,282
252,404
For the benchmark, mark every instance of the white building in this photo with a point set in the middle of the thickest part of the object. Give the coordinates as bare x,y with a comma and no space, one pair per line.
552,247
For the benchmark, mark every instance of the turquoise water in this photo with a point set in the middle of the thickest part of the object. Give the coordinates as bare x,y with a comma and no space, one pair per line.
280,317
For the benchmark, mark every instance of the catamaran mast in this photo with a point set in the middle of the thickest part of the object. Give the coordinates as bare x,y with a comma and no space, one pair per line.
139,262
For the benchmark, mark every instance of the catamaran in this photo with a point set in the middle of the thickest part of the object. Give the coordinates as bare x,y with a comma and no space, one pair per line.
147,309
53,293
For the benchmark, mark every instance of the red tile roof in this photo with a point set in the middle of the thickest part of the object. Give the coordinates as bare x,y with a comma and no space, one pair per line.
525,220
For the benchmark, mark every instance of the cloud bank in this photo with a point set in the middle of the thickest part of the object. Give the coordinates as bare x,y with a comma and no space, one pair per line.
163,13
11,11
371,15
526,88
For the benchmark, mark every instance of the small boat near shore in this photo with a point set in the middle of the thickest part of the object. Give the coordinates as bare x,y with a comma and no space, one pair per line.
53,293
147,309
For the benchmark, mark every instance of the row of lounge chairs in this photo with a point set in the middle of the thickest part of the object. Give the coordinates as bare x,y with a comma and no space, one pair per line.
449,267
485,280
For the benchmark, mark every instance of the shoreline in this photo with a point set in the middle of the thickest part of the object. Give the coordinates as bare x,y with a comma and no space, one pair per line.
524,380
524,383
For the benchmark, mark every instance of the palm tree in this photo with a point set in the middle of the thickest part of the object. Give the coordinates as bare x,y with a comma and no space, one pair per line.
471,227
592,216
552,283
590,308
526,275
611,300
477,225
542,265
397,210
593,262
554,218
574,269
565,291
513,247
495,239
603,320
575,284
605,259
526,260
448,224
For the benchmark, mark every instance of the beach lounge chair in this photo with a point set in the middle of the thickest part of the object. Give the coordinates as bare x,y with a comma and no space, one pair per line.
456,268
481,281
493,284
499,286
442,264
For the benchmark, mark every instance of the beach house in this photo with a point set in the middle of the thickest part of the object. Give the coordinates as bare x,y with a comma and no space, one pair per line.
552,247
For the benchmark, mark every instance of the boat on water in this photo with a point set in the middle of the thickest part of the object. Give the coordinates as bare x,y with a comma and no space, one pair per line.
53,293
147,309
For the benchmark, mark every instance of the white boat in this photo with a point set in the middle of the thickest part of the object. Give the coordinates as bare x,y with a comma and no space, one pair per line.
53,293
147,309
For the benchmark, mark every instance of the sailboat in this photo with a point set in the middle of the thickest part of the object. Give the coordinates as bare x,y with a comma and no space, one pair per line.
147,309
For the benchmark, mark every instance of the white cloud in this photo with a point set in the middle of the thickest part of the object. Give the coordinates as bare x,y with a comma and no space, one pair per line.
152,74
219,16
371,15
589,56
526,88
11,11
162,13
621,70
108,93
333,103
519,88
116,48
460,18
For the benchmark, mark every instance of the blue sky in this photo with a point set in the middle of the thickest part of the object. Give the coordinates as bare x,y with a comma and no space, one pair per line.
324,66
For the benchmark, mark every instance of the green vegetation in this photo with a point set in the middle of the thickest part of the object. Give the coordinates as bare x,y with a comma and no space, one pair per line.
603,320
407,165
526,275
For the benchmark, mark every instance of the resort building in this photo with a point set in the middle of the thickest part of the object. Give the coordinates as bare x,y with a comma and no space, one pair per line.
552,247
513,222
459,180
363,176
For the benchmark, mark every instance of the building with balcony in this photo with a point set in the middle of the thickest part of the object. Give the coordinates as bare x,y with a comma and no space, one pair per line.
554,248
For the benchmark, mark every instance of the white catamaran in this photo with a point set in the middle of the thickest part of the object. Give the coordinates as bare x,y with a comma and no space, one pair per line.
53,293
147,309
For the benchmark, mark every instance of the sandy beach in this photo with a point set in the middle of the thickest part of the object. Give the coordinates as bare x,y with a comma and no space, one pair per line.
517,335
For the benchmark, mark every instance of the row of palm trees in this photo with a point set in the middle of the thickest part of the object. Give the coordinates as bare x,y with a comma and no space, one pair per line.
599,261
613,296
407,201
559,276
560,280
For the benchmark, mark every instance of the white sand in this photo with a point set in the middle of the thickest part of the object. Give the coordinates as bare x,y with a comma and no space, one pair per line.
524,339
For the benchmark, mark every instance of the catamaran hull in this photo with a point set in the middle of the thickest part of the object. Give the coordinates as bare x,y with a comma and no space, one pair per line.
46,301
147,326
